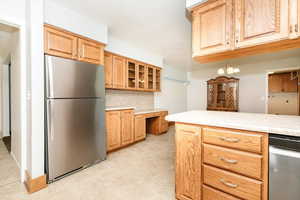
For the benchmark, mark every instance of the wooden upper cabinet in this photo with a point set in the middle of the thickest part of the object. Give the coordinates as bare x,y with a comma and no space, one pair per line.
294,18
212,28
131,74
141,76
282,83
59,43
188,162
90,51
119,66
127,132
151,78
113,130
108,68
260,21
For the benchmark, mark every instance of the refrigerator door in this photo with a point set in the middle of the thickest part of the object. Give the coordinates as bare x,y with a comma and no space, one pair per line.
73,79
76,134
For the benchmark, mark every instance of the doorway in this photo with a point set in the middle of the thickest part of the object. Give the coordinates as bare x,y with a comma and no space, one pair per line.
283,92
10,136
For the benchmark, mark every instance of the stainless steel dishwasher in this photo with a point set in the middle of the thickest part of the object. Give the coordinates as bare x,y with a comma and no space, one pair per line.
284,167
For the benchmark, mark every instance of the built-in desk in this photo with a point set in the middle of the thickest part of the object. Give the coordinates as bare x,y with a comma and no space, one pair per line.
126,126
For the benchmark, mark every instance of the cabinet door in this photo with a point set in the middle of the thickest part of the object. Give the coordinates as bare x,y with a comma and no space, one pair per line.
157,80
108,67
59,43
90,51
141,76
289,85
113,130
212,28
131,74
150,78
188,162
127,135
119,66
164,124
139,128
275,83
261,21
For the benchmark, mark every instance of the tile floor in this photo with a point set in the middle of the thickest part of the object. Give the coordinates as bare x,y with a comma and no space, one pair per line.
144,171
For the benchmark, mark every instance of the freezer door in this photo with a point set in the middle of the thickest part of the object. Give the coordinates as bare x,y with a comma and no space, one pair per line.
76,134
73,79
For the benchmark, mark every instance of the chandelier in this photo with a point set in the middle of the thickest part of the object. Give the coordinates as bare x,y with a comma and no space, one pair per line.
229,69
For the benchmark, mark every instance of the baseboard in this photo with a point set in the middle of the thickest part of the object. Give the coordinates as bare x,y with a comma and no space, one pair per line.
36,184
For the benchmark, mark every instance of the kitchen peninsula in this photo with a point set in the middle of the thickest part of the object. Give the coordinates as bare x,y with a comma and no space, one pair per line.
225,155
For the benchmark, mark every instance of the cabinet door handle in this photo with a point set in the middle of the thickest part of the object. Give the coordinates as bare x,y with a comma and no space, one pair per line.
229,160
228,184
232,140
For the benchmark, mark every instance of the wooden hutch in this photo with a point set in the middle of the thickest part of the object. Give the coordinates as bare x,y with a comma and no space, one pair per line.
223,94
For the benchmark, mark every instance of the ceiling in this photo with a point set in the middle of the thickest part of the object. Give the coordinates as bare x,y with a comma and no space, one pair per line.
157,26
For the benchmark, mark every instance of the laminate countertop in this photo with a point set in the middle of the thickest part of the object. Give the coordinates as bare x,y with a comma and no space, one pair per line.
277,124
140,112
119,108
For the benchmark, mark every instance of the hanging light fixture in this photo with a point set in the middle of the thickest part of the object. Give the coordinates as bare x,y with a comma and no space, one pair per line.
229,69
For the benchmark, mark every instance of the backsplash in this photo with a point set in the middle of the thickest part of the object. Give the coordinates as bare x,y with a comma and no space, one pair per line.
139,100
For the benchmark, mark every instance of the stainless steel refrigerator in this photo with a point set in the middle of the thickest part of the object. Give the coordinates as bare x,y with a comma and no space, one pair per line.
75,116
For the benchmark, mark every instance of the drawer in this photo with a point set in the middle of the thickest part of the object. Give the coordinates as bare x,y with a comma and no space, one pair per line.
248,164
234,139
237,185
212,194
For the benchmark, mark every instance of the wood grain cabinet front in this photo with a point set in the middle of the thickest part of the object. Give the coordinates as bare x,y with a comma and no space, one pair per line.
119,67
119,129
259,22
188,162
113,130
90,51
62,43
212,28
108,68
127,134
59,43
139,128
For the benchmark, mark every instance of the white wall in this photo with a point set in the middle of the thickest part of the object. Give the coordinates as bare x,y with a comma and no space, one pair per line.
190,3
74,22
173,95
5,100
253,82
16,126
13,11
126,49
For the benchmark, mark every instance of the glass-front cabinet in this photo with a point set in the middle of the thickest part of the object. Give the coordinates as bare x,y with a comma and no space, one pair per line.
157,80
222,94
131,74
142,76
150,78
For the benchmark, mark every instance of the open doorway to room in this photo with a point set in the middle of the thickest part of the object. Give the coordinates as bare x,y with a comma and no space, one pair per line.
10,137
284,92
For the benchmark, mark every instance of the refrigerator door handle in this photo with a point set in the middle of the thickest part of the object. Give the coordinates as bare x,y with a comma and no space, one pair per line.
49,108
49,67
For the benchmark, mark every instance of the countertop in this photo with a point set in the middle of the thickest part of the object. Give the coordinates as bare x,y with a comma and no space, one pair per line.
139,112
277,124
136,112
119,108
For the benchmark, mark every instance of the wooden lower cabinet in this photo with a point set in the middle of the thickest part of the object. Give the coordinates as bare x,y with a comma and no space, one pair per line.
220,163
188,162
113,130
164,124
139,128
119,129
127,134
212,194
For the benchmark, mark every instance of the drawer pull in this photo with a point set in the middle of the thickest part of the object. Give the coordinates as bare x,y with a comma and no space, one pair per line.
229,161
228,184
232,140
